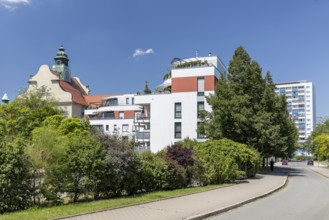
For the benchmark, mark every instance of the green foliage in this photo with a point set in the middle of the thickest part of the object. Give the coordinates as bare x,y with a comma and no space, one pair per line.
192,64
320,129
177,178
246,109
122,175
101,205
84,166
220,161
312,144
146,89
53,121
154,172
14,176
187,143
73,125
26,112
321,143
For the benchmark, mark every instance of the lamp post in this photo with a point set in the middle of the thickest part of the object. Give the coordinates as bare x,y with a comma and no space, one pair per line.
318,156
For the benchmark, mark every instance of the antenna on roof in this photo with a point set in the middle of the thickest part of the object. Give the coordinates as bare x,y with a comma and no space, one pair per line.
196,53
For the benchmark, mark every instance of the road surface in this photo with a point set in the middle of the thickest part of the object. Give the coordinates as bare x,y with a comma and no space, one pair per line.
305,197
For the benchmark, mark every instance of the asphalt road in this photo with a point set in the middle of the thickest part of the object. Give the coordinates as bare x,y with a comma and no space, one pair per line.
306,197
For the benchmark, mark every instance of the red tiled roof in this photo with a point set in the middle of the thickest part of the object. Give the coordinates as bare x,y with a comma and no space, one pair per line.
76,91
95,101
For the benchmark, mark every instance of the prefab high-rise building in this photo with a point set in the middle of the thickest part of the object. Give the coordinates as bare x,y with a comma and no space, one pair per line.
301,106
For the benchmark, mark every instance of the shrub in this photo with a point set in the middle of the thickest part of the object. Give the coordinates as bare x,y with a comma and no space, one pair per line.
220,161
154,172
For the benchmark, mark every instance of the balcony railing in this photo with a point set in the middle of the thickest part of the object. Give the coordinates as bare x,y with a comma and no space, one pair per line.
143,135
141,118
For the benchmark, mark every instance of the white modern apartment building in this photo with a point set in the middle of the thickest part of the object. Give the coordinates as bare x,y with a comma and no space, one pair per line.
301,106
168,115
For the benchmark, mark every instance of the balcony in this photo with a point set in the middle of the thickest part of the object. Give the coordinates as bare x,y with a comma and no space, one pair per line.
142,136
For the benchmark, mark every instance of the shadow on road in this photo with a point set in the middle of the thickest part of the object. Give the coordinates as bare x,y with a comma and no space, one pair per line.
279,171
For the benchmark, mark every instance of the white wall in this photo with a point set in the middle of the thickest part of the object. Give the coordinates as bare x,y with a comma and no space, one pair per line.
118,123
195,71
162,121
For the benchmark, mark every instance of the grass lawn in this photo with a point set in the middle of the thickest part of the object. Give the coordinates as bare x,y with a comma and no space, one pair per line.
85,207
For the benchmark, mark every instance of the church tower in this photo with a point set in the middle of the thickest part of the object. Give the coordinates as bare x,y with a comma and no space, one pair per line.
61,65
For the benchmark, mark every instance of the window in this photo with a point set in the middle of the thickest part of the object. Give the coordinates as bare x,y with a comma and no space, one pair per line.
178,110
121,114
132,100
125,128
108,115
200,135
106,127
113,102
178,130
127,101
200,108
200,86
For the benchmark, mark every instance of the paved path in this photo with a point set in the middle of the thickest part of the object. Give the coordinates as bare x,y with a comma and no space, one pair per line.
199,205
324,171
304,198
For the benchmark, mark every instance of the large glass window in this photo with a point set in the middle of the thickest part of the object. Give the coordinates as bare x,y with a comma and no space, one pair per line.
178,110
200,86
178,130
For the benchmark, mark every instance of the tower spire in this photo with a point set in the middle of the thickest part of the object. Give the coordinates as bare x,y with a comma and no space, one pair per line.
61,65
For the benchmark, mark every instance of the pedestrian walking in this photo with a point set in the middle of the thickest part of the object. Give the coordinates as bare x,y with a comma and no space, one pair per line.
272,164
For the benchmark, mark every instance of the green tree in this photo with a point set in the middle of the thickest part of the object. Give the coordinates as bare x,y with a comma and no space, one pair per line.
27,112
246,109
14,176
84,166
44,151
146,89
320,129
322,145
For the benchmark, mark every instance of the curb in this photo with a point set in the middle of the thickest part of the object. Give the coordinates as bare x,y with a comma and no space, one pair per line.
136,204
227,208
318,172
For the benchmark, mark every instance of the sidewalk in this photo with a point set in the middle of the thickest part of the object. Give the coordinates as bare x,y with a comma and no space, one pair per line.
199,205
320,170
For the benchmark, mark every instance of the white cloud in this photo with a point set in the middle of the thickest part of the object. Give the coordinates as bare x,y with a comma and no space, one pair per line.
139,52
12,4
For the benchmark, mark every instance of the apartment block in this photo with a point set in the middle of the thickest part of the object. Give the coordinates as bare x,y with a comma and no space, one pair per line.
169,114
301,106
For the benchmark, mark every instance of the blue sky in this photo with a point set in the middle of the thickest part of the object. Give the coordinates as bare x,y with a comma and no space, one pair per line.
290,38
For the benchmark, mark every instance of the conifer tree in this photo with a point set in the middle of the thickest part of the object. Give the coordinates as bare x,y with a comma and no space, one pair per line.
246,109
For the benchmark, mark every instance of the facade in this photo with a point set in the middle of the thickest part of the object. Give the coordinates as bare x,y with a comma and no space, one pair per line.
301,106
116,115
67,90
168,115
